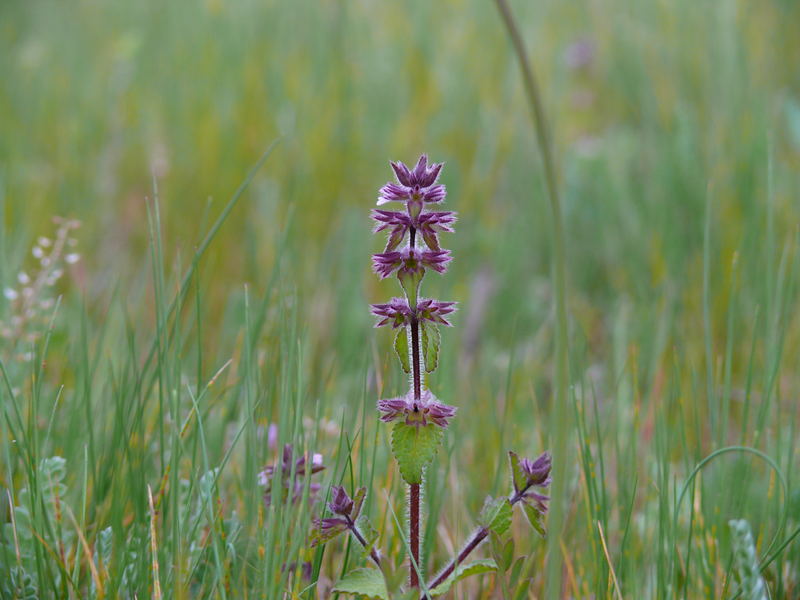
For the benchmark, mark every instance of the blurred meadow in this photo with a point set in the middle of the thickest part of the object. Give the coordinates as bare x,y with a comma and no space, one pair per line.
145,384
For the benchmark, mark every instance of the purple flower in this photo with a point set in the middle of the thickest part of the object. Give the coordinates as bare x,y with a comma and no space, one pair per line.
410,262
538,471
398,313
294,485
434,310
430,224
416,412
399,222
528,474
417,184
341,503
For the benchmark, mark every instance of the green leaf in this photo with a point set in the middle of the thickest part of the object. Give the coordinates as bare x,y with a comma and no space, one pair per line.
414,446
401,348
320,536
484,565
358,502
431,340
518,477
516,570
535,518
368,532
496,515
364,583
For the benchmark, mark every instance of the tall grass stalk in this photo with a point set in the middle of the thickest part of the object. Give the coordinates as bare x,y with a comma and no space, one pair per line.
561,399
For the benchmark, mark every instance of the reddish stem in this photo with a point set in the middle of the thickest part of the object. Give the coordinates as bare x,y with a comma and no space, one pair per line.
413,579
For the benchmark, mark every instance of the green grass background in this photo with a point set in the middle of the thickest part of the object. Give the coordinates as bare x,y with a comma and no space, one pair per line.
678,149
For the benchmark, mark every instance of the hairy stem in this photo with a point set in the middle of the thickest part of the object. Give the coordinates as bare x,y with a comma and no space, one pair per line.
560,409
373,554
415,358
413,579
473,543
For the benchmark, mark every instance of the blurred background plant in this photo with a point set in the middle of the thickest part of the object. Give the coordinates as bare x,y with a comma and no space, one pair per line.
677,126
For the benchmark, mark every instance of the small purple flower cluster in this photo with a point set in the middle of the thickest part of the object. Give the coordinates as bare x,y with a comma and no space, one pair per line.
291,483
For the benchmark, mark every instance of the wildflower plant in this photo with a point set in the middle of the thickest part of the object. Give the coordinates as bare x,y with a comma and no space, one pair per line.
419,420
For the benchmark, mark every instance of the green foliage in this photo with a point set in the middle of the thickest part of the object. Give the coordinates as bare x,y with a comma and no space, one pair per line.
462,571
496,515
364,583
535,518
401,348
519,480
368,532
414,447
430,341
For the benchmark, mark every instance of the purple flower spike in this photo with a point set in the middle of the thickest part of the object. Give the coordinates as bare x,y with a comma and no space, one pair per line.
417,412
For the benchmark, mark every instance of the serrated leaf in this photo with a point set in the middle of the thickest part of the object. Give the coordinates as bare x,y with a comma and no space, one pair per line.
364,583
535,518
431,340
358,502
496,515
518,477
368,532
414,446
484,565
401,348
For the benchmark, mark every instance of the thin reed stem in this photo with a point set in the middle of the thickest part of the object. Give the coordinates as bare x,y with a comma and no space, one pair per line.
560,409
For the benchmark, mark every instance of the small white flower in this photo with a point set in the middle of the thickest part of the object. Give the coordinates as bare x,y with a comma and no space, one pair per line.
44,242
72,258
23,278
37,252
10,293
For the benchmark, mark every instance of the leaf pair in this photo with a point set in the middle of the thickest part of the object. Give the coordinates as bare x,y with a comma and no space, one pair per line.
430,342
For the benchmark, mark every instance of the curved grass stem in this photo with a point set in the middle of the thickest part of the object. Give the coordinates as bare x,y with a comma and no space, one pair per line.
560,409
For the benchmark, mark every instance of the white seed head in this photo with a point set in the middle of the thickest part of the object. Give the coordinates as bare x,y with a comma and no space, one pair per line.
37,252
72,258
44,242
10,293
23,278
